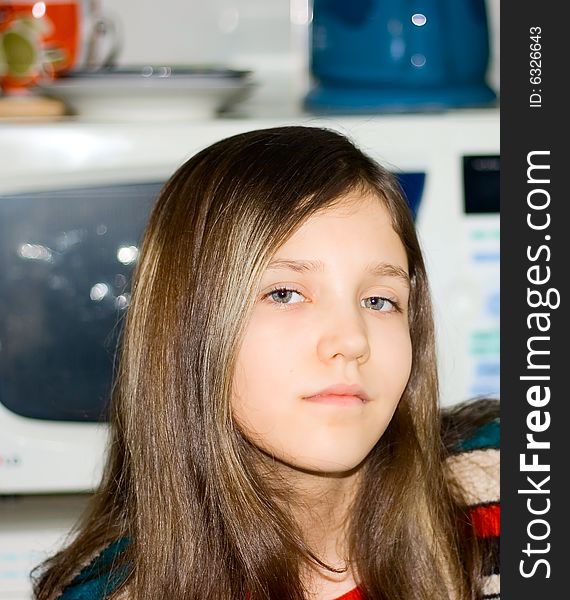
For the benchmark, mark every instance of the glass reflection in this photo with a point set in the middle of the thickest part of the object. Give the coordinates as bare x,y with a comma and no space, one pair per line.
127,254
35,252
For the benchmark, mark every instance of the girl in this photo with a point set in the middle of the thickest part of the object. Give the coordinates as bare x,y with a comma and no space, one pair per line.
275,427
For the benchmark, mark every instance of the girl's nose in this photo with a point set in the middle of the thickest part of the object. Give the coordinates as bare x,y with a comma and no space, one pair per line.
344,335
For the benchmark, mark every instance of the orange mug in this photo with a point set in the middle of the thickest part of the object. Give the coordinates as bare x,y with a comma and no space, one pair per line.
41,40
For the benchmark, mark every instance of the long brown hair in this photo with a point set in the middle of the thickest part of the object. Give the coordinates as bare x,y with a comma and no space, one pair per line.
181,481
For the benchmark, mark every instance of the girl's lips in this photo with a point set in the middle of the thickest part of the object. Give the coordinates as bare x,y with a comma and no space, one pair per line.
340,393
338,399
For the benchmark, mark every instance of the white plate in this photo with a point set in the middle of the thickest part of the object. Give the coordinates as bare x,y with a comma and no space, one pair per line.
158,93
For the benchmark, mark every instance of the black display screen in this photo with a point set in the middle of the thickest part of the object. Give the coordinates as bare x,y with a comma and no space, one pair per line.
66,260
481,184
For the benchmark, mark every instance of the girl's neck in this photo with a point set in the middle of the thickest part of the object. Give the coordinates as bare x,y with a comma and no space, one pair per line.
322,511
328,586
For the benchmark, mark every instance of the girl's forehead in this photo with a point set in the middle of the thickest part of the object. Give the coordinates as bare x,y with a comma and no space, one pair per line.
355,230
353,214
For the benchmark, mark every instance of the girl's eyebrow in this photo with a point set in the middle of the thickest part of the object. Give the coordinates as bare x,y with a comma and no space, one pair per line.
381,269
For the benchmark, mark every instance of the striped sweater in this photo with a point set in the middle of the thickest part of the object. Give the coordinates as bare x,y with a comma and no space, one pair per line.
476,466
474,462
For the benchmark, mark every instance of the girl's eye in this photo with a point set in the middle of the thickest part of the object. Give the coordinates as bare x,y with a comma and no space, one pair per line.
380,304
285,296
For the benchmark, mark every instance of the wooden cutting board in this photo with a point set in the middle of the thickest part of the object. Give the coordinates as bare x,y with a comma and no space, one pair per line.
15,107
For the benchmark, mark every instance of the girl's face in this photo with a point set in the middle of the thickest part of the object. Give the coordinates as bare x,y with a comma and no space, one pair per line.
331,311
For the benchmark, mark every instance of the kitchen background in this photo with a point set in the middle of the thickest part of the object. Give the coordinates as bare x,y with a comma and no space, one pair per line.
270,37
250,34
449,160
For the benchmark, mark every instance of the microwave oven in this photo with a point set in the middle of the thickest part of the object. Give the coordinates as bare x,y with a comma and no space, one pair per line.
74,197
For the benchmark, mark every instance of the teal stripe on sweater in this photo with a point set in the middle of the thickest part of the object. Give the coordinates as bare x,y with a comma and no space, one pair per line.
98,579
487,436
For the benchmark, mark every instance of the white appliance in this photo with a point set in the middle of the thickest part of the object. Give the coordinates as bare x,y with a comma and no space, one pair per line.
44,163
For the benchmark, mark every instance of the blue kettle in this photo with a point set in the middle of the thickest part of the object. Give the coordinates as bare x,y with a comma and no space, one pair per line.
398,55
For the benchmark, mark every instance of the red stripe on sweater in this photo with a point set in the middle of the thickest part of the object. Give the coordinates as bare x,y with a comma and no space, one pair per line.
352,595
486,520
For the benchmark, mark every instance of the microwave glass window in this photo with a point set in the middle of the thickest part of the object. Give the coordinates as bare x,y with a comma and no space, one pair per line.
66,261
